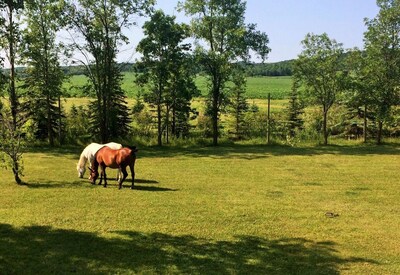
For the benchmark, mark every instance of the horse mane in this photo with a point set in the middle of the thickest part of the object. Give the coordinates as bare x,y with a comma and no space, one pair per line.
82,161
89,152
133,148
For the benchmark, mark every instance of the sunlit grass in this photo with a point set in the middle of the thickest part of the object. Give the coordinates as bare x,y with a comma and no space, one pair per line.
257,87
249,209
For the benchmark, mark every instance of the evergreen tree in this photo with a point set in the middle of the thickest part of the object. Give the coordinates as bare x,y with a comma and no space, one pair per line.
238,102
102,26
294,110
44,76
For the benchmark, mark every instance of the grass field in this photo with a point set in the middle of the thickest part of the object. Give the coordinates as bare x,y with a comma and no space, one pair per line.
236,209
257,87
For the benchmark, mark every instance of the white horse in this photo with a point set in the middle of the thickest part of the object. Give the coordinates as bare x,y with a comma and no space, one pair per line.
89,153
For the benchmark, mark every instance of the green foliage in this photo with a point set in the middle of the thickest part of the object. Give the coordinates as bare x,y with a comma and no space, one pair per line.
78,125
43,75
283,68
11,145
319,69
102,25
382,47
166,72
238,104
294,111
221,26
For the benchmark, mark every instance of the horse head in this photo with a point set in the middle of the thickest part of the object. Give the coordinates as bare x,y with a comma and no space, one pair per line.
81,171
94,174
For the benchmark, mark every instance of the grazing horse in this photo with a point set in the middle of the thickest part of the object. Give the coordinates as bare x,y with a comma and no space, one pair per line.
88,154
120,158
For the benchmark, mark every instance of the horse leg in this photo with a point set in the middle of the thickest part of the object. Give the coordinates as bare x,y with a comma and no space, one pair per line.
103,171
124,175
132,167
119,174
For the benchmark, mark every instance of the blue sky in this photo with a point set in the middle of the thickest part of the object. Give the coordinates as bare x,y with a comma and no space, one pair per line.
286,22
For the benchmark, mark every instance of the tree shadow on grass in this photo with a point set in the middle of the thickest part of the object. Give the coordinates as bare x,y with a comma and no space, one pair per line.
45,250
84,183
240,151
252,152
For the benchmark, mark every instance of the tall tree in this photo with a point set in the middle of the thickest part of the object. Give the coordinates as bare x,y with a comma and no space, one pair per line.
182,89
238,105
225,37
44,75
11,145
359,91
294,110
101,25
318,69
10,37
10,117
382,46
162,61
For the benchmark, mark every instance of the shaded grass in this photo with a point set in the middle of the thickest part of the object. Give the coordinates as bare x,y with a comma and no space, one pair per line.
248,209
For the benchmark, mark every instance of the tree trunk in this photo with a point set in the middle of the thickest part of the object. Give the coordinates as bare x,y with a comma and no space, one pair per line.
167,124
325,130
365,123
215,98
59,120
215,122
49,124
12,90
159,129
15,170
379,134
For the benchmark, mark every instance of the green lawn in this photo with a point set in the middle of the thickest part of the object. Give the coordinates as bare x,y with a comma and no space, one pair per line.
257,87
240,209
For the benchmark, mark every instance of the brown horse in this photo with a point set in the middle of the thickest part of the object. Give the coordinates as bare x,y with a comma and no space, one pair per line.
117,159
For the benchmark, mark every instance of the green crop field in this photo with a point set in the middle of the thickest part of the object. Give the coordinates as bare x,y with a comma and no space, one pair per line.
239,209
257,87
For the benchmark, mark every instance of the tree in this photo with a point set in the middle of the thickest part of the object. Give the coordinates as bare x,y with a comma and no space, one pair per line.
182,90
382,47
318,69
162,66
225,39
44,75
359,90
294,110
10,36
11,145
238,102
101,25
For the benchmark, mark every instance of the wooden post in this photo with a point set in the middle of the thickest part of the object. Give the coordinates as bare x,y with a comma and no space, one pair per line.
269,118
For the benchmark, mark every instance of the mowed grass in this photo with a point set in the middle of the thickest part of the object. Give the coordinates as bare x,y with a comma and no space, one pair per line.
257,87
226,210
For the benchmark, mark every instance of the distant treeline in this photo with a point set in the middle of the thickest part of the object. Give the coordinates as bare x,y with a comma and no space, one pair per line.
283,68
